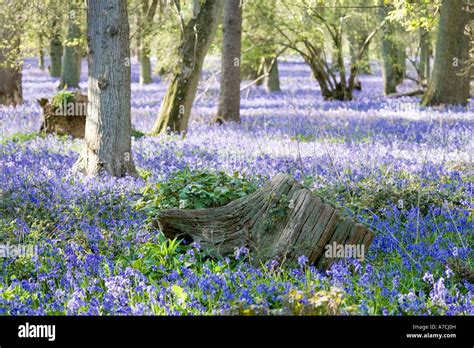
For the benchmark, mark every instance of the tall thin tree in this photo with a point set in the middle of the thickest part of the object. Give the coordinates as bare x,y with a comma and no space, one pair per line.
71,64
108,124
55,48
229,101
144,49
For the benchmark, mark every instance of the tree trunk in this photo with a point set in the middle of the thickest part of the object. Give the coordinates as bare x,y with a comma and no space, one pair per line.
11,92
390,53
401,64
425,55
449,84
71,64
196,38
41,52
56,50
281,221
357,38
229,100
145,63
144,50
272,77
108,124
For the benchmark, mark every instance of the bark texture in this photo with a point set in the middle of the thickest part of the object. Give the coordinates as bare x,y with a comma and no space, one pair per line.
197,36
229,101
281,221
449,82
108,124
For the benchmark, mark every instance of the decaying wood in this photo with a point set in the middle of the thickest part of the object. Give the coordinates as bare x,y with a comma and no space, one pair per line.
280,221
70,119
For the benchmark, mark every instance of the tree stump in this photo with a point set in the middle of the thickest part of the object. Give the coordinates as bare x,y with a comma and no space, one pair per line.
281,221
67,119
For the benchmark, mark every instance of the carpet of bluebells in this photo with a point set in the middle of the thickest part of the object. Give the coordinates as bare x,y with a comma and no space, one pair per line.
403,170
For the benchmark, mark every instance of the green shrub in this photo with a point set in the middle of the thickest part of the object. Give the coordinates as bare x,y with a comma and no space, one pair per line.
63,97
197,189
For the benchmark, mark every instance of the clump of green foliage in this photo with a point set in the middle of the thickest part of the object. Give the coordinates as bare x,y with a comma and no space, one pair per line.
195,189
20,138
63,97
137,134
374,194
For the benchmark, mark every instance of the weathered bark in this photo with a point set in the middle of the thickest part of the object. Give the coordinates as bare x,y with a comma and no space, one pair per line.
229,100
71,64
56,50
11,92
108,124
272,75
144,49
393,58
196,38
281,221
448,84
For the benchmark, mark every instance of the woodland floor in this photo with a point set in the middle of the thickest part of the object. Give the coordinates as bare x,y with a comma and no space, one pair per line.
404,170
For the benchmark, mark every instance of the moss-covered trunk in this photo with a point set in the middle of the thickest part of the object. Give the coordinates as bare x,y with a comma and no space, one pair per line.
197,36
55,49
71,64
272,75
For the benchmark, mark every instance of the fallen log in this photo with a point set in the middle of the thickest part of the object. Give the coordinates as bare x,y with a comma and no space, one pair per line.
406,94
281,221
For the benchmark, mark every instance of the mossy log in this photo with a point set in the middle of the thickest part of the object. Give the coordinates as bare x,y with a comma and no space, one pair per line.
67,119
280,221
